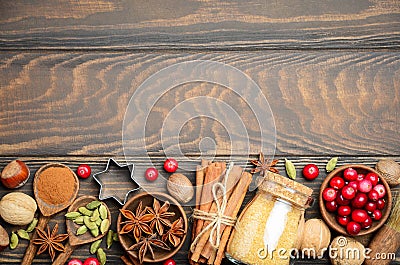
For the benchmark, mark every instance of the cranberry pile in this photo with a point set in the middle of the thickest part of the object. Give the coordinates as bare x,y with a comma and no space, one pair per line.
357,199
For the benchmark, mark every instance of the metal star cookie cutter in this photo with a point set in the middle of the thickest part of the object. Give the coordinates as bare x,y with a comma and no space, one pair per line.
116,181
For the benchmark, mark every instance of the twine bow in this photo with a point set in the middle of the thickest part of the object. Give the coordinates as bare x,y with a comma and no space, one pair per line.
215,219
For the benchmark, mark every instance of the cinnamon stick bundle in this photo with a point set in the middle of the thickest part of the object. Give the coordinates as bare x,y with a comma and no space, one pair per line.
236,188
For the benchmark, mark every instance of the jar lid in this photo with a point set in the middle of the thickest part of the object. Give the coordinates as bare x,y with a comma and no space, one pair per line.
287,189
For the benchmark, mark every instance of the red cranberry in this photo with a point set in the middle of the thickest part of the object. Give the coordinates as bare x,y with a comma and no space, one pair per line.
380,204
329,194
170,165
341,200
75,262
353,228
348,192
169,262
377,215
350,174
381,190
359,215
373,178
370,206
343,220
344,210
310,171
336,183
151,174
373,195
91,261
367,223
365,185
360,176
360,200
83,171
331,206
354,185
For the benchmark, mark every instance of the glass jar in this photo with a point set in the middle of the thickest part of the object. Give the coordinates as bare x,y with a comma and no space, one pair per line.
267,229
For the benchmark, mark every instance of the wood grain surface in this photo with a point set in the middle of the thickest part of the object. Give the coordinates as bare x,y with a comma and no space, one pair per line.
199,24
322,102
98,164
330,71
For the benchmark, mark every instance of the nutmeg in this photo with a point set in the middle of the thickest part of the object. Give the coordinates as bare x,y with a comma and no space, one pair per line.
316,237
17,208
389,170
15,174
180,187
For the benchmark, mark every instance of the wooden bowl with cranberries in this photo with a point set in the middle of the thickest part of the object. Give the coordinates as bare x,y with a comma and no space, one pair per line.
355,200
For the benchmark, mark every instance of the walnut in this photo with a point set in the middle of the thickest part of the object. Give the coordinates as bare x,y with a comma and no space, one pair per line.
316,237
346,251
17,208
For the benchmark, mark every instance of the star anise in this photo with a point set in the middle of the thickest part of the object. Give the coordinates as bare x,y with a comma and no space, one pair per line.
136,223
263,165
50,241
160,216
175,233
146,244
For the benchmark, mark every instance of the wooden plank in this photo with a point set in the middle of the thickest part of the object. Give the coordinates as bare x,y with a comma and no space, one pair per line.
325,102
197,24
90,187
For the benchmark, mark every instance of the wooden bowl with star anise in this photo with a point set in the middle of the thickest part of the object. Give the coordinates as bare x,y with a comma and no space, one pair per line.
152,227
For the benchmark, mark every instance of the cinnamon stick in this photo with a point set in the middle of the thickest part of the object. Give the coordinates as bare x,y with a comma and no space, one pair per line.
233,179
213,172
235,199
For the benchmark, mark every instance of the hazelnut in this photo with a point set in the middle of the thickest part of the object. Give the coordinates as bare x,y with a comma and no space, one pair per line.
15,174
180,187
4,239
17,208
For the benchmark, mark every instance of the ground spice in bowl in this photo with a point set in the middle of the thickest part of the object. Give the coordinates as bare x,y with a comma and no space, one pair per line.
56,185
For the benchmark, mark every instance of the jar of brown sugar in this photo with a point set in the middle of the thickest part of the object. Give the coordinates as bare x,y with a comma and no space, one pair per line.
267,229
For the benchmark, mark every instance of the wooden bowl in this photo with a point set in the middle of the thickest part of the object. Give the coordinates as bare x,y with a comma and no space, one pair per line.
330,218
127,240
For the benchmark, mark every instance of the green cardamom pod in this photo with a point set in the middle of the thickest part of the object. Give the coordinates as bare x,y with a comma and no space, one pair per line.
103,212
109,239
98,222
115,237
331,164
89,224
101,256
85,211
23,234
104,226
95,231
79,220
81,230
32,225
13,240
95,246
95,215
290,169
72,215
93,205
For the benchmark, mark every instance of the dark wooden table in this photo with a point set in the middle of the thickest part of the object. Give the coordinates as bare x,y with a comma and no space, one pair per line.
330,71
